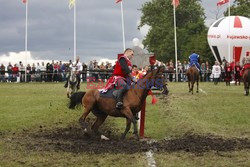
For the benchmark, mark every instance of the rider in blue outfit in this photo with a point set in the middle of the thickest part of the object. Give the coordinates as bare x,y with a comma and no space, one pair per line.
194,59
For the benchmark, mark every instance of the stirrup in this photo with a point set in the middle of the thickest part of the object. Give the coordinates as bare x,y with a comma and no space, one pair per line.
119,105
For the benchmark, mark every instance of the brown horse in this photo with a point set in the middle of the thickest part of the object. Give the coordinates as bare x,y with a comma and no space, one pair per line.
101,107
193,76
246,79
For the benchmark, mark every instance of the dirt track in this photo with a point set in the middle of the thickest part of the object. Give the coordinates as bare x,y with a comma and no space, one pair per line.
73,139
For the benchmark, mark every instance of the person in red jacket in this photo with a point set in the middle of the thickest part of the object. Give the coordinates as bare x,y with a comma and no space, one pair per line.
237,70
15,71
228,74
121,74
135,70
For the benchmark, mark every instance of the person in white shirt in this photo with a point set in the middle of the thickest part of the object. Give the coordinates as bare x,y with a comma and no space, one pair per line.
78,67
43,72
216,72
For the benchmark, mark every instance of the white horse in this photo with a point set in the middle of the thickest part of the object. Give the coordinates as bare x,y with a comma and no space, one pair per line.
72,83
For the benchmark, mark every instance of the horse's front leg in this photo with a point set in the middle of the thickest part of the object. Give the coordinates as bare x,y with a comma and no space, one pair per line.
135,128
165,89
68,91
73,89
128,125
130,117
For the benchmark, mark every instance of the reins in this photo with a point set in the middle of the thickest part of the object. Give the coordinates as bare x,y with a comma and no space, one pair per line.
145,89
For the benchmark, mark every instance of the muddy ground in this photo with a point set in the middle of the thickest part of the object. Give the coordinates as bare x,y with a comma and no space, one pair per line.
73,139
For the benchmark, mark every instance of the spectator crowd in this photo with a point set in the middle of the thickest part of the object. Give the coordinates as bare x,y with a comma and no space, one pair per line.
58,71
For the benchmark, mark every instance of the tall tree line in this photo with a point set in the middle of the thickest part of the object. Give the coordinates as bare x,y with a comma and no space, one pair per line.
191,28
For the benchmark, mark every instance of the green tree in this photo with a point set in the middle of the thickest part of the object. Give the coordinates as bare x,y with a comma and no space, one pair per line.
191,29
240,8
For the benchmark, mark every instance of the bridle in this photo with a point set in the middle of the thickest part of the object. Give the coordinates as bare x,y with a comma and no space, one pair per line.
147,88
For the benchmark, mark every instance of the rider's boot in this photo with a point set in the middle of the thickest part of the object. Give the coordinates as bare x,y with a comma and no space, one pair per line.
120,94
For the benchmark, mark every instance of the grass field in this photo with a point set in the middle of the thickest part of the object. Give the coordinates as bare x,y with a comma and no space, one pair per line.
29,112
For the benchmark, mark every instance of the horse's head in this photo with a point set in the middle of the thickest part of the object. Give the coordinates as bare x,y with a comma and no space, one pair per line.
158,77
154,78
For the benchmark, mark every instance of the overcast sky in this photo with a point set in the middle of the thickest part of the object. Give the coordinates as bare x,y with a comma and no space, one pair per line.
50,27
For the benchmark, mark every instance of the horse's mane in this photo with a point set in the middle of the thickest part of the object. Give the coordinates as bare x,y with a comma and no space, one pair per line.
148,72
151,71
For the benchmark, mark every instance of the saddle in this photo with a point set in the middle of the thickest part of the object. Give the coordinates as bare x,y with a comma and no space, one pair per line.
111,93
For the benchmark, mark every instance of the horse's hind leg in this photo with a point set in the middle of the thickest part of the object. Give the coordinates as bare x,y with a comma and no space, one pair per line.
88,106
197,91
247,89
82,121
99,121
189,86
192,87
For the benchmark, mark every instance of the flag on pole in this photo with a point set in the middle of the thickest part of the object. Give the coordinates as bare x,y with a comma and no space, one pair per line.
222,2
175,3
117,1
71,3
24,1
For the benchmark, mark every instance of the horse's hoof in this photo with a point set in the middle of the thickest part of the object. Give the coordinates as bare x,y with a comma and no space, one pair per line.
137,137
122,137
83,123
104,138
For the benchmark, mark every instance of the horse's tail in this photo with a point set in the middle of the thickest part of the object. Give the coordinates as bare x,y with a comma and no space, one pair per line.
76,99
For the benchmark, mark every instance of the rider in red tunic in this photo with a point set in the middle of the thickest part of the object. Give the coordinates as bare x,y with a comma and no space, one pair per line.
121,73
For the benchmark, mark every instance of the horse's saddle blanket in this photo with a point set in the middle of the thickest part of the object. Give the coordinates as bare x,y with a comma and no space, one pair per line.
111,93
